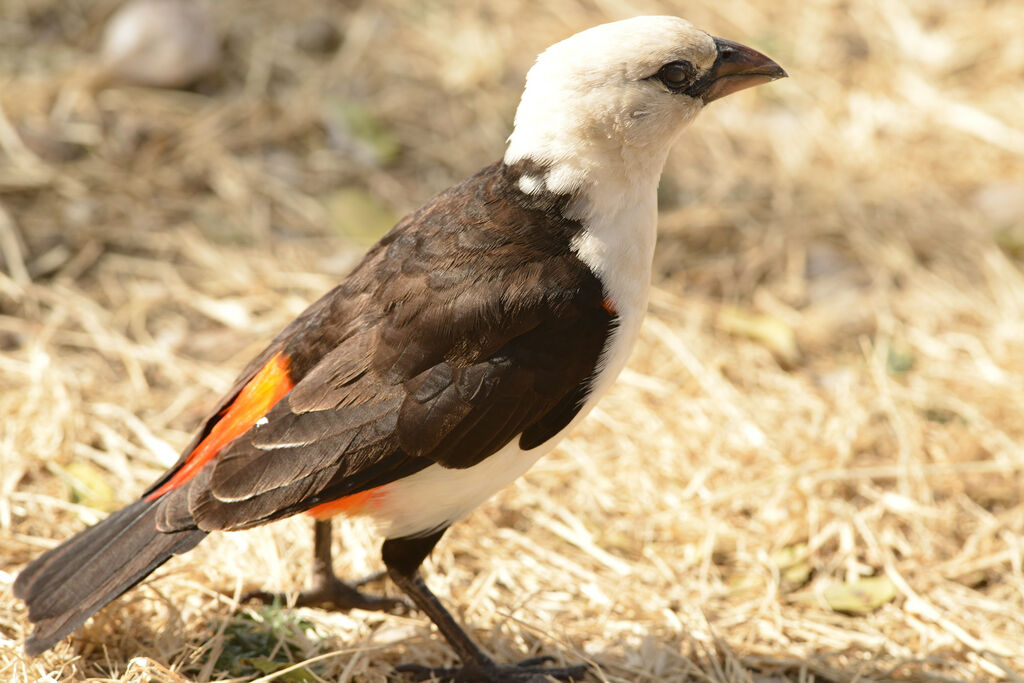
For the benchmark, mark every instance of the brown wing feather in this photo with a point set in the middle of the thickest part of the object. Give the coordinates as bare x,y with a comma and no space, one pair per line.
298,328
469,324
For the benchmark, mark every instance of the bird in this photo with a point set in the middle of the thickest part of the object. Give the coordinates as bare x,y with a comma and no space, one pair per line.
463,347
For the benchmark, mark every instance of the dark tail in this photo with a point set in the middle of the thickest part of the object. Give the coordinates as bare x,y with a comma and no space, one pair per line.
68,584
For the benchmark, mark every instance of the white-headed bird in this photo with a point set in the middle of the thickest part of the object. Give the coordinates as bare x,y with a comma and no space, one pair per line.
463,347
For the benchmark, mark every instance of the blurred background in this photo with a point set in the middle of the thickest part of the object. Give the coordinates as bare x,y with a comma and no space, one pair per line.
811,469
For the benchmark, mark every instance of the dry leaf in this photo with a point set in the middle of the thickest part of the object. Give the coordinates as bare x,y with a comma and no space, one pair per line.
861,596
768,330
794,568
88,485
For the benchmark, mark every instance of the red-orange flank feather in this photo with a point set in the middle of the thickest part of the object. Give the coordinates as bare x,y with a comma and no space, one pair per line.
256,398
351,504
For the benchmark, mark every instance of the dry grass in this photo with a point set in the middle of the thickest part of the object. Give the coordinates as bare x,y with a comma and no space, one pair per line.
871,204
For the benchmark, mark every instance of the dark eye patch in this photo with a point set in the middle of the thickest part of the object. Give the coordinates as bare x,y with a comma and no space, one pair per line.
676,75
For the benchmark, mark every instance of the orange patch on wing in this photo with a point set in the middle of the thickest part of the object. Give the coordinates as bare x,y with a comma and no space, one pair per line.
349,505
255,400
609,305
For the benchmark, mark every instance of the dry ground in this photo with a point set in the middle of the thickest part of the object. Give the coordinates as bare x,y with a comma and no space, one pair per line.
698,525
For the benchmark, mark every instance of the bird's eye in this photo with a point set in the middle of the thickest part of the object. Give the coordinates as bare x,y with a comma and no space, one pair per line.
676,75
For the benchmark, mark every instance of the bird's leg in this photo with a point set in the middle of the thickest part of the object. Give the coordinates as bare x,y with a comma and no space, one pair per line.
327,590
403,557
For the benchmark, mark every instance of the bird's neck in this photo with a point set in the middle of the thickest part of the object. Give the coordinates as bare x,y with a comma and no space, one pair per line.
613,197
617,241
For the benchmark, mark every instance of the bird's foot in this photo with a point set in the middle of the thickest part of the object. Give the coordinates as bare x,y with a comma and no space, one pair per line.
526,671
334,594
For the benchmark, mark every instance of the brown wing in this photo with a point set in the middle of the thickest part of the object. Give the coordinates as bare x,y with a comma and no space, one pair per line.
294,329
470,324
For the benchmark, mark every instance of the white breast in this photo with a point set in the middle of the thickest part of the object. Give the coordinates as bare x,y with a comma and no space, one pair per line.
618,246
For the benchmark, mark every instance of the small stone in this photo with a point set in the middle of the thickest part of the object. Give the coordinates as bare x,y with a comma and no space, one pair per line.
160,44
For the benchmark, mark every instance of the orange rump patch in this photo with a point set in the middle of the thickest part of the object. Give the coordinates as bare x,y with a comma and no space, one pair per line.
349,505
255,400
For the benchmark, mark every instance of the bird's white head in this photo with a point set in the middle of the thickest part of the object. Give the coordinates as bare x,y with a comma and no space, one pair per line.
604,106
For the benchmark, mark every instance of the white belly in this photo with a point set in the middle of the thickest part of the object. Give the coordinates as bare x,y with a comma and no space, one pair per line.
437,497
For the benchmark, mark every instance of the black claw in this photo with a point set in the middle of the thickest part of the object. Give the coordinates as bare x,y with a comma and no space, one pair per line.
336,596
536,661
330,592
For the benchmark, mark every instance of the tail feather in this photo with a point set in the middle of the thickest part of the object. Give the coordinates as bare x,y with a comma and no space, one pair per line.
68,584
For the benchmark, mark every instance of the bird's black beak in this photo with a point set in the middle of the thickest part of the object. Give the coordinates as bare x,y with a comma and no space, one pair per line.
738,67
